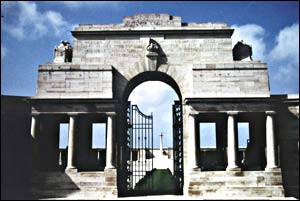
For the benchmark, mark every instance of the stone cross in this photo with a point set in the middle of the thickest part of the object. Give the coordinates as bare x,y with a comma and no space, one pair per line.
161,144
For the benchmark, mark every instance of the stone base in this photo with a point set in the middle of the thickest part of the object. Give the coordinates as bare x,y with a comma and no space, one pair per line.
233,169
273,169
196,169
71,170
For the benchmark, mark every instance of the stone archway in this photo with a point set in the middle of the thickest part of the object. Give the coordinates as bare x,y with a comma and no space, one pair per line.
123,156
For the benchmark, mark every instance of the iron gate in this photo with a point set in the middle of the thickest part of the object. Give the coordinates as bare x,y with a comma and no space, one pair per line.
178,145
140,144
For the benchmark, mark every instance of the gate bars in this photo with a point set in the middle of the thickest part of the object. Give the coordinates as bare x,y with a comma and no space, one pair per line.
140,133
178,145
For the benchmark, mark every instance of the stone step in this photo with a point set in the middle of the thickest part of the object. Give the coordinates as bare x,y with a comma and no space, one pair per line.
65,178
239,192
230,184
74,184
55,187
248,183
43,188
243,181
84,194
91,174
234,173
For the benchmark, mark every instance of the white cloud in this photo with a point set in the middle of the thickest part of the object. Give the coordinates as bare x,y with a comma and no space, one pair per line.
32,24
287,72
287,44
284,57
253,35
80,4
56,21
4,51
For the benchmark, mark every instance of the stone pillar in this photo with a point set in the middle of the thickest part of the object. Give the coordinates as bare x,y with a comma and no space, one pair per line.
34,126
33,132
192,142
270,141
71,144
110,141
231,142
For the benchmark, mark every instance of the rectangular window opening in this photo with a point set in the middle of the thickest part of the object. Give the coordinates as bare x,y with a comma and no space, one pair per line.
63,135
243,134
63,143
208,135
99,135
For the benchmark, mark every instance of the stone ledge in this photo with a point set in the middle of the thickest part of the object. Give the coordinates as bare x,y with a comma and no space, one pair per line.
70,67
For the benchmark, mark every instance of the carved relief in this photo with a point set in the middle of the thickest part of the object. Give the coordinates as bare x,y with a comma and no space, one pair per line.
153,46
155,55
242,52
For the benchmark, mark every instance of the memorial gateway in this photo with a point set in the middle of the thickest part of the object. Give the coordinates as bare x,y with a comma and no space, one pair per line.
91,82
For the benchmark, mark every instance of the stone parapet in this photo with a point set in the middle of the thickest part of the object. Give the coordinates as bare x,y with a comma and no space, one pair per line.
152,22
238,65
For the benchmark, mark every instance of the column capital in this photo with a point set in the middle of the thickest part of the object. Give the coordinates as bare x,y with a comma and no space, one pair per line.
193,113
270,112
35,114
111,113
232,113
73,114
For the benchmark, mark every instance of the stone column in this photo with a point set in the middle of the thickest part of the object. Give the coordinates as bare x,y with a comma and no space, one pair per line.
71,144
34,125
110,141
192,142
33,132
270,141
231,142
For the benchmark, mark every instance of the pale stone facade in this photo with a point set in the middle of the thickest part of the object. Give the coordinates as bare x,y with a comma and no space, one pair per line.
196,60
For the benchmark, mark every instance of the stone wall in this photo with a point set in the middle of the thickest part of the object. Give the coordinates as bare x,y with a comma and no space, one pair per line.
74,81
198,56
238,79
288,142
16,142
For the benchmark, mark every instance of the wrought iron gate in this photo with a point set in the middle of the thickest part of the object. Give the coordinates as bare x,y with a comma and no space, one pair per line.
140,144
178,145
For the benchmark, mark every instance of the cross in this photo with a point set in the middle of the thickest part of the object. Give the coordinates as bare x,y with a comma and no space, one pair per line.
161,142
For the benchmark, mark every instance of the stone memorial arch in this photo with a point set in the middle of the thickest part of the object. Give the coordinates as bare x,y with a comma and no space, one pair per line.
91,82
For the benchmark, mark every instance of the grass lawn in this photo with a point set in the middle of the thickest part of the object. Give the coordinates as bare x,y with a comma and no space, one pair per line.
159,181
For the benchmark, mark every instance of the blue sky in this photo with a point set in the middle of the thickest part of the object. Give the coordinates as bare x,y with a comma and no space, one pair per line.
30,30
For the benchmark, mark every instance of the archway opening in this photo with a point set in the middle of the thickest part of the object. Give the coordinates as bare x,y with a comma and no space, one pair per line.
153,165
152,152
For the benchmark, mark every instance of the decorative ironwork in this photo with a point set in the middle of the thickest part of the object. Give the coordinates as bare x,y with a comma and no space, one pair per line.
140,149
139,154
178,144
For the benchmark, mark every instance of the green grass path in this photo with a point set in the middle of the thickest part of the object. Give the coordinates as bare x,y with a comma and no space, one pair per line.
160,180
